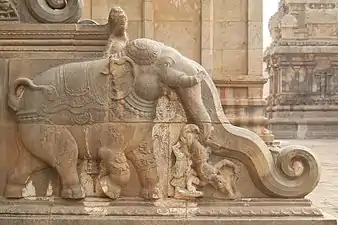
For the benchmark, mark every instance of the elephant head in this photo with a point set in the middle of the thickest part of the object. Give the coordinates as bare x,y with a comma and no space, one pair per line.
154,62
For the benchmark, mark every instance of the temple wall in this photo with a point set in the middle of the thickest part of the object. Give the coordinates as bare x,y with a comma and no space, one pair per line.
302,67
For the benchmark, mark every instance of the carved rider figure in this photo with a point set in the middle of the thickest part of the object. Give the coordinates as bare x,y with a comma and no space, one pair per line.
117,26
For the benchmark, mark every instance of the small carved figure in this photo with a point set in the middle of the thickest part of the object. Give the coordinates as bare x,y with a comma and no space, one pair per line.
117,25
7,11
184,177
192,167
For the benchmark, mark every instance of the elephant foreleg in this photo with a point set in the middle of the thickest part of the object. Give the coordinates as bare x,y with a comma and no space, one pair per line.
24,167
146,167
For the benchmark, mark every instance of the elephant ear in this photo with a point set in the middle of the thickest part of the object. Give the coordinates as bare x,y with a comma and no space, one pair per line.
120,75
143,51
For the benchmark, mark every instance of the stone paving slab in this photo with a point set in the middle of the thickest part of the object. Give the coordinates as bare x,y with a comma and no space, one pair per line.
325,196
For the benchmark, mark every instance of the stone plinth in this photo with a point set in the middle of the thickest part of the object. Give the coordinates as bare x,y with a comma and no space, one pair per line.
302,65
134,211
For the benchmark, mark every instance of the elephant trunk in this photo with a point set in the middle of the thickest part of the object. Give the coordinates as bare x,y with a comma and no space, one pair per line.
174,78
195,109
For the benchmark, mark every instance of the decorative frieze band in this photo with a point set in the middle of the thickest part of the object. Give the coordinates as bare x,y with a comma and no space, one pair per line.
322,5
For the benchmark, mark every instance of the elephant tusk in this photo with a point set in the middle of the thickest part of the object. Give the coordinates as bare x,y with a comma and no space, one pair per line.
189,81
182,80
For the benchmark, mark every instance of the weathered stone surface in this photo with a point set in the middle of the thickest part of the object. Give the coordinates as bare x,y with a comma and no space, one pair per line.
8,11
129,131
203,28
94,211
301,63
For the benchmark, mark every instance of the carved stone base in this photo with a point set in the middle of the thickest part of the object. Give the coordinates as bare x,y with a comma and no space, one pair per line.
133,211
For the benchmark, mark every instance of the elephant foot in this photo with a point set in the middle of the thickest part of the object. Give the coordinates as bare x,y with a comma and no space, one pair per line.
181,193
73,192
235,195
150,194
14,191
110,188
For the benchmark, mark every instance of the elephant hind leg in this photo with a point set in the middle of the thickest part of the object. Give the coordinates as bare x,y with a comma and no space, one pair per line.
56,146
146,167
116,174
24,167
66,157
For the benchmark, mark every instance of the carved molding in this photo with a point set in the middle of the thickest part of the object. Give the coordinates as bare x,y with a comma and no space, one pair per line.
242,209
321,5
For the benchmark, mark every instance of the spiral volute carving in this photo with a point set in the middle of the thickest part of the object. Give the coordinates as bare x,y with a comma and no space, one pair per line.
299,164
55,11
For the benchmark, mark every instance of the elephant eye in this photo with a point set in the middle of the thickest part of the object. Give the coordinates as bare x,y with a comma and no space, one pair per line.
168,61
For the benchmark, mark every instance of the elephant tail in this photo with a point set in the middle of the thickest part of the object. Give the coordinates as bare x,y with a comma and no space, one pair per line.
16,91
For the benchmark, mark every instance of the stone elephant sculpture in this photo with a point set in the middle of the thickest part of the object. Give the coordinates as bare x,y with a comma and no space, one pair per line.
101,110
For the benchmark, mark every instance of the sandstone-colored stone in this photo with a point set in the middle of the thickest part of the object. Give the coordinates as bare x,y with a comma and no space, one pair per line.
255,92
148,29
207,35
238,38
207,10
255,11
135,29
230,10
187,34
255,58
301,69
207,60
177,10
4,115
255,36
233,62
87,9
205,19
9,152
143,121
100,9
148,10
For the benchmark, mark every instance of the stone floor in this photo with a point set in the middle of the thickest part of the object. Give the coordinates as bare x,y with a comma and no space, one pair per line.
325,196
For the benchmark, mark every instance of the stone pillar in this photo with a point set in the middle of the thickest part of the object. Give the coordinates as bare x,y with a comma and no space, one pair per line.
302,63
225,36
